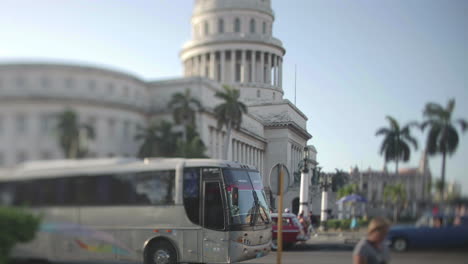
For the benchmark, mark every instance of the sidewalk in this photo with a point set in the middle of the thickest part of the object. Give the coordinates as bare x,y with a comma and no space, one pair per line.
339,237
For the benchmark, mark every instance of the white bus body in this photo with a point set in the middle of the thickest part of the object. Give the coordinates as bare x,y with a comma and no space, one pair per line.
141,211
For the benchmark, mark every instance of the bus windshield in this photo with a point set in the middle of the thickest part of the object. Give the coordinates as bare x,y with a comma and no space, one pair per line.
246,198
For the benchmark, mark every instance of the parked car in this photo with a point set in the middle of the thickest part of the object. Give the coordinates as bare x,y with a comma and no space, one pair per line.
292,231
430,231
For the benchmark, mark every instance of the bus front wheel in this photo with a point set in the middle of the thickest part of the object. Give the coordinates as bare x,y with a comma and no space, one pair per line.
160,252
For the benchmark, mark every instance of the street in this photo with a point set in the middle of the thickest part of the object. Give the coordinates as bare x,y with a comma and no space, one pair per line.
341,254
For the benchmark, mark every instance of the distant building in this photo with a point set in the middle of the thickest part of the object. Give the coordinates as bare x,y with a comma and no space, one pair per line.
371,184
232,43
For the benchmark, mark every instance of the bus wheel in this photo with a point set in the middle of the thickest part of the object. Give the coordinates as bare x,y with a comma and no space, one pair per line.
161,252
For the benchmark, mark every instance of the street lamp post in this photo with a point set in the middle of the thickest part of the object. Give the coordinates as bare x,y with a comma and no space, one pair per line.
304,189
325,182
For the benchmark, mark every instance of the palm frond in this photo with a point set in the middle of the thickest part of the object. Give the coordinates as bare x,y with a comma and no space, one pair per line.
463,124
382,131
393,123
433,110
450,106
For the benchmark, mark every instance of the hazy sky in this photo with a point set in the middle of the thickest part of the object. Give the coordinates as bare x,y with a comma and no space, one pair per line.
357,61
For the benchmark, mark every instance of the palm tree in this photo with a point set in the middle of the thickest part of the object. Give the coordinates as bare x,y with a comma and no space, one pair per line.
396,194
184,107
73,136
395,145
193,147
229,113
442,137
158,140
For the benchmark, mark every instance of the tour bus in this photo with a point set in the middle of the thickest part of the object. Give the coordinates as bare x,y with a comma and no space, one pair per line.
123,210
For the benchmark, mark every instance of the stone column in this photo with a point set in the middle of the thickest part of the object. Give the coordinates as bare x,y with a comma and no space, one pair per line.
233,66
203,65
277,71
280,73
243,66
197,65
268,69
213,65
253,61
262,67
223,65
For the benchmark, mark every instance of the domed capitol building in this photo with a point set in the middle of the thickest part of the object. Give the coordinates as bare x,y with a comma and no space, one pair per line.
232,43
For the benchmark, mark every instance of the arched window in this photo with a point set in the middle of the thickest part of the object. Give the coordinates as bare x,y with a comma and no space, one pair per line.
274,96
264,27
220,26
252,26
258,93
237,25
206,28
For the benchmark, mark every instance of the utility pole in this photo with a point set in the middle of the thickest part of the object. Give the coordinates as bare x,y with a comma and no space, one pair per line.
304,188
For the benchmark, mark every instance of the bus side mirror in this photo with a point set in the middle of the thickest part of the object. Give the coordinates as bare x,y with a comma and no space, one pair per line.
235,196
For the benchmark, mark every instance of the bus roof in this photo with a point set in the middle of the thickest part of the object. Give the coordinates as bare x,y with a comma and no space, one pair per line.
49,169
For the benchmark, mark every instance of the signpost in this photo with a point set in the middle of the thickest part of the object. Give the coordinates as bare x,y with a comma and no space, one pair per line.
279,183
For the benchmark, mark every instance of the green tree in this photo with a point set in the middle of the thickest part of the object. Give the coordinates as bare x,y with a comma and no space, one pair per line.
347,190
184,108
16,226
443,136
193,147
395,146
229,113
72,135
396,195
159,140
340,179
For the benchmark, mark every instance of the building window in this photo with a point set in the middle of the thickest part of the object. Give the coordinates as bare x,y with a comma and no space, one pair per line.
92,85
252,26
274,95
220,26
47,124
1,83
125,91
69,83
110,88
2,159
237,25
206,28
258,93
45,82
264,27
111,127
20,82
92,123
1,125
126,128
21,124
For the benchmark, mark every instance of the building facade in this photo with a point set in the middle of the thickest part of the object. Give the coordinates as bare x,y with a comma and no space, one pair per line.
232,44
371,184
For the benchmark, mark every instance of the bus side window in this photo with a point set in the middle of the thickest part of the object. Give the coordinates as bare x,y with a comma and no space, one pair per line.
214,213
192,194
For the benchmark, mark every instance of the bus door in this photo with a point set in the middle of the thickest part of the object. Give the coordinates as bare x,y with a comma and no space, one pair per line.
214,239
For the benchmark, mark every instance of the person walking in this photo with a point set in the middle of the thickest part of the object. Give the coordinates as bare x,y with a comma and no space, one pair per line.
373,249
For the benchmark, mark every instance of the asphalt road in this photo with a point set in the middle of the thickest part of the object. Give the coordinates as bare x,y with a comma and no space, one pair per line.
339,253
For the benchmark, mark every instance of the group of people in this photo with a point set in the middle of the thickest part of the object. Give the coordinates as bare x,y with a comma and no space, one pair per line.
306,222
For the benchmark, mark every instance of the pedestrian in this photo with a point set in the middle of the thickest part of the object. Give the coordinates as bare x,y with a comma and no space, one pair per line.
373,249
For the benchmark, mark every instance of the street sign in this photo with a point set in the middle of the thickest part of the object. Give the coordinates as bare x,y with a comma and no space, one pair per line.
274,178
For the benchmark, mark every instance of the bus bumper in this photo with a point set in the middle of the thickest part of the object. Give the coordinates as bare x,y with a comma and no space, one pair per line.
240,252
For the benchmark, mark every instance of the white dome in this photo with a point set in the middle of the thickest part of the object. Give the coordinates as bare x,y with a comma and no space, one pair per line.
202,6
